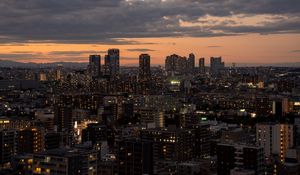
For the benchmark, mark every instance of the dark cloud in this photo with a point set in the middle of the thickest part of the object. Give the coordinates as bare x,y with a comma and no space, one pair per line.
214,46
108,21
75,53
140,50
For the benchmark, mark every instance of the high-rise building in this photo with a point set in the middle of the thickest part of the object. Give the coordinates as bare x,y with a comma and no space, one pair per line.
191,63
275,138
134,157
112,62
144,67
63,118
232,156
95,65
144,74
7,147
176,64
216,65
202,65
31,140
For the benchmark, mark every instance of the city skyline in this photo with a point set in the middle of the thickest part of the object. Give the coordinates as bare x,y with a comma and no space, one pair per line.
240,32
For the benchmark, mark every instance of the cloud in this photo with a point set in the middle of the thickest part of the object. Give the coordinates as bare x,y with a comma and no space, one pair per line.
140,50
214,46
75,53
120,21
295,51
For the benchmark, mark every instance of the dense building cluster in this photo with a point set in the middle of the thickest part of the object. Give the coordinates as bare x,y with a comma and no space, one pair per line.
180,119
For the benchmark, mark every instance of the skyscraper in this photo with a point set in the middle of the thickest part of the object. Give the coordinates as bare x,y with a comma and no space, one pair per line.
216,65
202,65
176,64
112,62
144,67
275,138
95,65
144,73
191,63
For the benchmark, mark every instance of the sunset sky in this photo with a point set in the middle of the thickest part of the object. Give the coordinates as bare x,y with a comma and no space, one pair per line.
241,31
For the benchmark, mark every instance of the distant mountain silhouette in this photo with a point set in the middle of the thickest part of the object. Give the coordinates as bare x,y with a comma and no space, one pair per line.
8,63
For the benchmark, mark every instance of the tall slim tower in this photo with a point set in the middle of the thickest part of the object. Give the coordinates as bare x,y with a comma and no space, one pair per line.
144,73
144,67
95,65
112,62
191,63
202,65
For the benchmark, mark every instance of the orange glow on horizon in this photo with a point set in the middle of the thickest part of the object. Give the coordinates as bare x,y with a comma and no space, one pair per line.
275,48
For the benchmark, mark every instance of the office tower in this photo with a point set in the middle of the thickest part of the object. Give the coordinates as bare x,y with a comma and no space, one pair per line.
232,156
134,157
191,63
95,133
176,64
202,65
275,138
66,161
95,65
144,67
216,65
144,73
30,140
112,62
52,140
63,118
7,147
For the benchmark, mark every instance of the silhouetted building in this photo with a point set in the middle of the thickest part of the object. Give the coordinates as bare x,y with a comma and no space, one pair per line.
216,65
144,73
112,62
176,64
95,65
191,63
202,65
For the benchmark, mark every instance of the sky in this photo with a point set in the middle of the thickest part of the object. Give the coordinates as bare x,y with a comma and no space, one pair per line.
241,31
